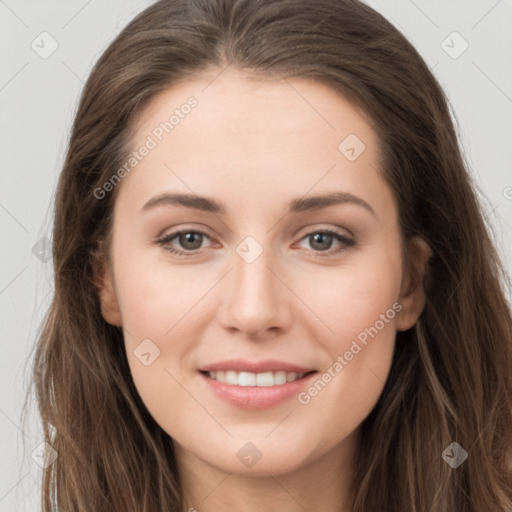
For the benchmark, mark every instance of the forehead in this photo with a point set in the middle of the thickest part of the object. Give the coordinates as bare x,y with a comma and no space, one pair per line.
260,137
240,100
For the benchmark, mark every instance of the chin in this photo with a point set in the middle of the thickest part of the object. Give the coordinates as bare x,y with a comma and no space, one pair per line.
259,456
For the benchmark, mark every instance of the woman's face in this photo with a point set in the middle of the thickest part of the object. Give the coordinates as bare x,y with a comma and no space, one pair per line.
273,281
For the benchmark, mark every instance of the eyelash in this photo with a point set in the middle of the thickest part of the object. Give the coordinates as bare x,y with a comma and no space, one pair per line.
346,242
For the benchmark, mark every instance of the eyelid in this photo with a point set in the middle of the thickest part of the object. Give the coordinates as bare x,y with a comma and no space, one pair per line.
316,227
176,230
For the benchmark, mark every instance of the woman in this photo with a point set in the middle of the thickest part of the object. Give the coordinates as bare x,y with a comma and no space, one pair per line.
337,340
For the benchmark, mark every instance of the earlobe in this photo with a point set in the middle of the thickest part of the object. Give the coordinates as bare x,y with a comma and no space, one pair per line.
413,294
103,282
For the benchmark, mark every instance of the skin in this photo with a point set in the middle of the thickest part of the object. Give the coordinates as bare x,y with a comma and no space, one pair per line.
254,145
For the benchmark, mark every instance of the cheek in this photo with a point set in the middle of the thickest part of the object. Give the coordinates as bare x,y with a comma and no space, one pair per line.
365,310
158,320
156,298
355,297
161,316
359,306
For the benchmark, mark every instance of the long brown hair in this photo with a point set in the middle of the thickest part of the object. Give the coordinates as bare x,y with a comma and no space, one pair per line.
450,380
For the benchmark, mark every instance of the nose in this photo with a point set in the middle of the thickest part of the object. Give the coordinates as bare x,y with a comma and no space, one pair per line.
256,302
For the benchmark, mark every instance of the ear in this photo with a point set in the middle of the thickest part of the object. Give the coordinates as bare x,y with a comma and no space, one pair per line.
104,284
412,294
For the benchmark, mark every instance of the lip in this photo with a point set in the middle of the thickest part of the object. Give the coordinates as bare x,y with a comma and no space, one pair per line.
256,397
242,365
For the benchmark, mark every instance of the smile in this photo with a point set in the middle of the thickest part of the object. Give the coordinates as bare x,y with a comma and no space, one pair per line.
255,386
265,379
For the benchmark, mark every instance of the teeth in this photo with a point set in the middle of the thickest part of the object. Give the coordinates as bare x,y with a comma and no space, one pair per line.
265,379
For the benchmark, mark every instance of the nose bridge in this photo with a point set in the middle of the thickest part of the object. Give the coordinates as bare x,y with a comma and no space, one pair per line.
254,282
256,301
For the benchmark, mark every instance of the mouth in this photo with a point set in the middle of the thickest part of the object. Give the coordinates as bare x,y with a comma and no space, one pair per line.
251,379
249,385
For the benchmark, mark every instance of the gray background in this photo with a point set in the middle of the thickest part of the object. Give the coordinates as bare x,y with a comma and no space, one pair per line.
38,98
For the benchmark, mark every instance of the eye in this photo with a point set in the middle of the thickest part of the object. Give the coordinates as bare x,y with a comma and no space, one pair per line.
191,242
321,241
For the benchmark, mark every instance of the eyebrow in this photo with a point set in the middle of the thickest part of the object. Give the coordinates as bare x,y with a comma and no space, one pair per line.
300,205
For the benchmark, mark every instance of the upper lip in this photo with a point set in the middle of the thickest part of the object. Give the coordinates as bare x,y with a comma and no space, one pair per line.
241,365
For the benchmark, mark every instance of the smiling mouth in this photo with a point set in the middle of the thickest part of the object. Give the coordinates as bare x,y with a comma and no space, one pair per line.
247,379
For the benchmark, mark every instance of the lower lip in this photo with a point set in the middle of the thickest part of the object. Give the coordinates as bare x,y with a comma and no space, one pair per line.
256,397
